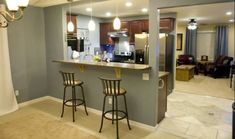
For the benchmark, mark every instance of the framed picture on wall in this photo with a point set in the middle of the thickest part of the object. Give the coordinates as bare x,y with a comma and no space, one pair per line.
179,42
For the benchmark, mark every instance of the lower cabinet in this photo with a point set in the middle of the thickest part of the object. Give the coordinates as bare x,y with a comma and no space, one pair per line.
162,98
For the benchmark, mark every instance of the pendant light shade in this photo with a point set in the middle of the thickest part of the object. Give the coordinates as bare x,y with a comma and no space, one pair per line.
23,3
12,5
117,23
192,25
70,26
91,25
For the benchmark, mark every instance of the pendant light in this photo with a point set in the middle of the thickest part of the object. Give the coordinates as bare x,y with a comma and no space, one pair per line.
70,25
192,25
91,23
116,21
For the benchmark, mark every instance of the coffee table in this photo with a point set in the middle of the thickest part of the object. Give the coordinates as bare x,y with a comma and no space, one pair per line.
185,72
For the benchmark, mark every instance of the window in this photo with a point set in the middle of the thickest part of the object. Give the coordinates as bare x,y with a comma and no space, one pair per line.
205,44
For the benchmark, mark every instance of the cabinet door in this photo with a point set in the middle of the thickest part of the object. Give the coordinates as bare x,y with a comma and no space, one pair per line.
124,26
162,99
166,25
135,27
74,21
145,26
104,29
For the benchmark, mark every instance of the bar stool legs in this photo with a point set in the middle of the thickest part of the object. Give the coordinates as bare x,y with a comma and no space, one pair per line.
74,101
102,119
114,111
126,113
63,102
84,101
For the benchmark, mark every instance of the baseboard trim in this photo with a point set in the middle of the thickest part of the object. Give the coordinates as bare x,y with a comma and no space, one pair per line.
95,111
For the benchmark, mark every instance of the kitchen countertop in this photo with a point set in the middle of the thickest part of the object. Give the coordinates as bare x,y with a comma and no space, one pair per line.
162,74
105,64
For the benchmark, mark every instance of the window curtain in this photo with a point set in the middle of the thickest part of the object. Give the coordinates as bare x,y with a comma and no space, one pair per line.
221,41
191,43
8,101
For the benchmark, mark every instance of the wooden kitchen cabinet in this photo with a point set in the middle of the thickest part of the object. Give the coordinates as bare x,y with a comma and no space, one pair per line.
135,27
162,98
145,26
74,21
105,28
166,25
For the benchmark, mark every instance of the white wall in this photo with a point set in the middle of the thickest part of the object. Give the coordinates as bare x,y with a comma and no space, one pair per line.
94,36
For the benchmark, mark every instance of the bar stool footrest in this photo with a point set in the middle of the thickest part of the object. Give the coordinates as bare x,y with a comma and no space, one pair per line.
114,111
69,102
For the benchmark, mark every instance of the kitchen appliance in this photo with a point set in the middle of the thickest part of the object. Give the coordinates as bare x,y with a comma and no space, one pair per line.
76,44
142,48
123,51
166,58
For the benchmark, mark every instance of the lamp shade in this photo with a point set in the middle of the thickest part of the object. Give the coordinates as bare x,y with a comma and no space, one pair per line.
12,5
23,3
192,25
91,25
70,26
117,23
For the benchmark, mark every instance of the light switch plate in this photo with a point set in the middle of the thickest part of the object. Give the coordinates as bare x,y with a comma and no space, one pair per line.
146,76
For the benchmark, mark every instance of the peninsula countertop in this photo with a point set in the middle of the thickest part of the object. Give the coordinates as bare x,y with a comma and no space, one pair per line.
105,64
162,74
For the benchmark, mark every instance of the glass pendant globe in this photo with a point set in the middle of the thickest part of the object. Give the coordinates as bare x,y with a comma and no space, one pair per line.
70,26
117,23
12,5
91,25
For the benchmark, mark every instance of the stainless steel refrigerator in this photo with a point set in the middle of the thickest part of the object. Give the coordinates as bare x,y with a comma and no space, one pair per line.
142,48
166,58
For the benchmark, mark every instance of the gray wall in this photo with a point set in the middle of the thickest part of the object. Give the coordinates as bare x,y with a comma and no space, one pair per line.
27,55
141,94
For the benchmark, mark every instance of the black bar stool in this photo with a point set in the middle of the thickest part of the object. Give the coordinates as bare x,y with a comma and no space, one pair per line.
69,81
111,87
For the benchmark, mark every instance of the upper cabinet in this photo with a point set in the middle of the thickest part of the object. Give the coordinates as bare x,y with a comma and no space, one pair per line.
74,21
166,25
134,27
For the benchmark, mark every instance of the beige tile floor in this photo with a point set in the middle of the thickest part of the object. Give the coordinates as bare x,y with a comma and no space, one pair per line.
189,117
206,85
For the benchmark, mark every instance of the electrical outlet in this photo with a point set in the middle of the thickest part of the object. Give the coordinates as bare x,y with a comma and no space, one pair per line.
146,76
110,100
17,92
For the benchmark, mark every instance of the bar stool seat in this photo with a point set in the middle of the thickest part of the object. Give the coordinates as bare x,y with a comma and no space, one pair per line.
69,81
122,91
75,83
111,88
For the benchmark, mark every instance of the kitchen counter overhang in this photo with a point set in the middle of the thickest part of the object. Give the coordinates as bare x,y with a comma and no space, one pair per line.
106,64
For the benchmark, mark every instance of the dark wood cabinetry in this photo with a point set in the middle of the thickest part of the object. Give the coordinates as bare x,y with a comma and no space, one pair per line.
134,27
166,25
162,98
74,21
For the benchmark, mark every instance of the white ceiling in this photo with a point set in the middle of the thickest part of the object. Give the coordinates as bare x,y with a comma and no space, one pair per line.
100,8
47,3
204,14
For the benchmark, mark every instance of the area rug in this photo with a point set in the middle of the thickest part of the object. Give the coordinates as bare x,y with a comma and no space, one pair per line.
41,126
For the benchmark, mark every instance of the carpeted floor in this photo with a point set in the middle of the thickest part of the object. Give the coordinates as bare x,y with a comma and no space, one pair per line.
41,126
207,86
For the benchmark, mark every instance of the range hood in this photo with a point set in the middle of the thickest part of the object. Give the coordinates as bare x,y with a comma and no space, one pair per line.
118,34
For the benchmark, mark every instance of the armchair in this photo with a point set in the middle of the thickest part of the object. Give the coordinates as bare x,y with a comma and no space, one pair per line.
220,68
185,60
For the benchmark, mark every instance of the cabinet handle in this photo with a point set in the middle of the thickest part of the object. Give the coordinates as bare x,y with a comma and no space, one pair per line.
161,84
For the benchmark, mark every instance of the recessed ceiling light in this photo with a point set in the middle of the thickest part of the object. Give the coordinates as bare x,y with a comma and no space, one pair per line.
108,14
144,10
128,4
231,20
88,9
229,13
